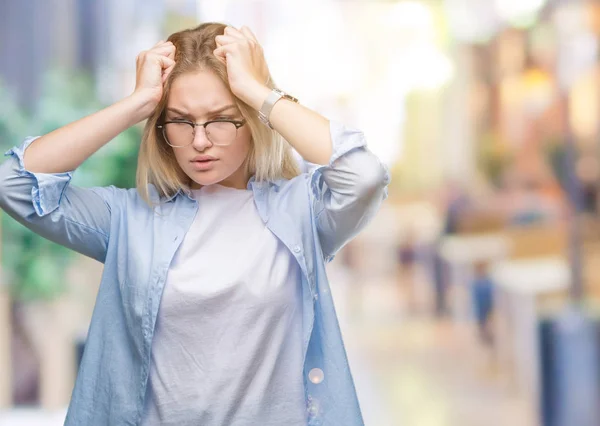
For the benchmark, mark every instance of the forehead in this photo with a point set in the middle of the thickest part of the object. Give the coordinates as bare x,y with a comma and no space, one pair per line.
199,92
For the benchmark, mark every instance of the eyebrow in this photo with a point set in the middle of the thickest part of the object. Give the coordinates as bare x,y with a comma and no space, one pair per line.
213,112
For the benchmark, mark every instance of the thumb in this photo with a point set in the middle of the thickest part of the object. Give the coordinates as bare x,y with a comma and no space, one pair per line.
221,53
165,62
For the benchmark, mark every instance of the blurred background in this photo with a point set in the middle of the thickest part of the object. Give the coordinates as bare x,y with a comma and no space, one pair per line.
470,300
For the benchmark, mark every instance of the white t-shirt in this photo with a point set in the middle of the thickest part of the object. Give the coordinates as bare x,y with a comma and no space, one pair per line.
227,348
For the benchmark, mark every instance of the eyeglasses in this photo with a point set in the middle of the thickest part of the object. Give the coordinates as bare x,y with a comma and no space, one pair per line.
181,133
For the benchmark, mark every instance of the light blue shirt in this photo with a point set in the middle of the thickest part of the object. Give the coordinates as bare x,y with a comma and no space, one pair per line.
313,215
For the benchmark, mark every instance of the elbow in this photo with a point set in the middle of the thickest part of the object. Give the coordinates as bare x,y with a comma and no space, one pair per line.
373,176
4,185
16,190
357,177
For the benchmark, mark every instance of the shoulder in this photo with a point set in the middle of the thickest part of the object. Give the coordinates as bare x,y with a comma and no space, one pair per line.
290,190
126,199
288,197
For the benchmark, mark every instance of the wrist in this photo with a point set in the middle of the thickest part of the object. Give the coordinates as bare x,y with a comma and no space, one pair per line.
256,95
142,104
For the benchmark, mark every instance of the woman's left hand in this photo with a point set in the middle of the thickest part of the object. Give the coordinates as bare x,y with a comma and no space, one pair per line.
246,66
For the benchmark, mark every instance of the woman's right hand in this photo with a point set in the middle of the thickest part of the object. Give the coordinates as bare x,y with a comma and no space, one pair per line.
152,69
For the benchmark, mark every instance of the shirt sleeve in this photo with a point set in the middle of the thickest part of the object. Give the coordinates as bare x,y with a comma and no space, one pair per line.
347,192
77,218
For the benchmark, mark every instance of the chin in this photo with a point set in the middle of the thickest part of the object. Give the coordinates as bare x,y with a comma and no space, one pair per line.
207,178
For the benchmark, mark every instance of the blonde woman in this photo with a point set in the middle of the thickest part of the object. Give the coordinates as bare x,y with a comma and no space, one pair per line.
214,306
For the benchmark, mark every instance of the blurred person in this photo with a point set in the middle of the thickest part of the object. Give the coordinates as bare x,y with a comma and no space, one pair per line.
482,294
455,203
440,281
588,174
223,221
407,251
406,254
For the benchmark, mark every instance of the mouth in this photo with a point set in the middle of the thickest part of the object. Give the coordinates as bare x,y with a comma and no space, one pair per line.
204,164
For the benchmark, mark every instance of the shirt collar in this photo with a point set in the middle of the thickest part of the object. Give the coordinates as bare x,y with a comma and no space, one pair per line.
264,183
252,184
182,191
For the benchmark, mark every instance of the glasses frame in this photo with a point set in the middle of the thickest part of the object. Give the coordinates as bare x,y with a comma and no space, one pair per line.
162,127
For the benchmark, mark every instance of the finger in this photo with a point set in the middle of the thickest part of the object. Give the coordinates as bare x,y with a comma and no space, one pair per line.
226,39
248,33
164,53
172,54
234,32
223,52
165,62
173,50
162,43
163,50
219,52
166,73
166,45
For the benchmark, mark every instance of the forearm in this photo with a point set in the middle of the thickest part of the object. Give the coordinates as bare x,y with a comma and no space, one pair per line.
66,148
307,131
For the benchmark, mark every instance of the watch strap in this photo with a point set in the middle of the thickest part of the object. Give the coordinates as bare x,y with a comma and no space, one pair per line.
267,106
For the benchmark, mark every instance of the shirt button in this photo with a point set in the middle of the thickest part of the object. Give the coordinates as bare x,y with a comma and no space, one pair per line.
297,249
316,375
313,410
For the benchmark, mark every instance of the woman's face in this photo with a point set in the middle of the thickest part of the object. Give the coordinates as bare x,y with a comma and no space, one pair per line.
199,97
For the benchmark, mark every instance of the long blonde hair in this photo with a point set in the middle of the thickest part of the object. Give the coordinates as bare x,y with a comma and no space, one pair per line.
270,156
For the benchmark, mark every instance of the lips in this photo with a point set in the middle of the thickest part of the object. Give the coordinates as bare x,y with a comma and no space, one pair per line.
203,157
203,164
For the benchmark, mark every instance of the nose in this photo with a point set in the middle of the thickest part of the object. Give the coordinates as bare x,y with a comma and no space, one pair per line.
201,141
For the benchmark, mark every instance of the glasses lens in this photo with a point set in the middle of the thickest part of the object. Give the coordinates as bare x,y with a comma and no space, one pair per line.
179,134
221,132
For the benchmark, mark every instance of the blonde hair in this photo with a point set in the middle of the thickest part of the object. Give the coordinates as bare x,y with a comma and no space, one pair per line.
270,157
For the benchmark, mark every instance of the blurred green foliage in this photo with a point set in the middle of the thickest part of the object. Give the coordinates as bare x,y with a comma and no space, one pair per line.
34,267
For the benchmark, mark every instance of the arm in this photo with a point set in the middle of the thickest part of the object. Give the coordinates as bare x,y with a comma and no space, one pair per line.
64,149
307,131
34,182
74,217
349,186
35,185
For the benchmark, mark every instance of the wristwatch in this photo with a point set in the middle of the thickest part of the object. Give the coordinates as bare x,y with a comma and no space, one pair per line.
267,106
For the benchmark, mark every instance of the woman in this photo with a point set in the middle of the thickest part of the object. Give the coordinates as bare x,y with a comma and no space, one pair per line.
245,331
